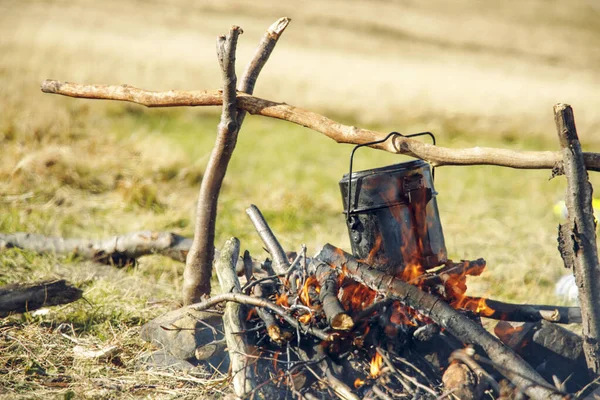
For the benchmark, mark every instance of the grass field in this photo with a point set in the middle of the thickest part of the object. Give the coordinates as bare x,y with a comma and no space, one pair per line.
474,73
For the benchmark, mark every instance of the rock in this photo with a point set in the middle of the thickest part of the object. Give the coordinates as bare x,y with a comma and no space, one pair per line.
181,331
162,360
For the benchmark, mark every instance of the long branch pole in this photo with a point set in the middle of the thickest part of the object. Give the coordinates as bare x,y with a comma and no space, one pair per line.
198,270
436,155
198,266
581,234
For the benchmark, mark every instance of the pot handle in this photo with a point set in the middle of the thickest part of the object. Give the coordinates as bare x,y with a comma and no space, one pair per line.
349,212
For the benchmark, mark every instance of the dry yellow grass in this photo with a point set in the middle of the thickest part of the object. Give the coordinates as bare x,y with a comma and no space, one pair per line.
475,73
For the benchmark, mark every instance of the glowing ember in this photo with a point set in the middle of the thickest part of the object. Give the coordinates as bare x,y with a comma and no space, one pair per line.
358,383
375,367
400,316
251,314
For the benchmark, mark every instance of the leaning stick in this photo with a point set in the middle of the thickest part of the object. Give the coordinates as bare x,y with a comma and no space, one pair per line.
448,318
580,234
233,319
280,261
436,155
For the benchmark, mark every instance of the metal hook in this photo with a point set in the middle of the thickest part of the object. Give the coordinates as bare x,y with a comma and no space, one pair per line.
348,212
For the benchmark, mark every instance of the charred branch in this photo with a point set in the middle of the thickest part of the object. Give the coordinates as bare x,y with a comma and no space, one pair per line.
20,298
524,312
273,329
233,320
455,323
436,155
583,233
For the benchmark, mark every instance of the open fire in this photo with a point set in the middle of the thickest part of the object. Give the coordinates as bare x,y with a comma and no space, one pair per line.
390,321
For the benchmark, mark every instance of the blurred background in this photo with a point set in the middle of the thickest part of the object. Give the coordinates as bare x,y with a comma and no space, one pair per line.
474,73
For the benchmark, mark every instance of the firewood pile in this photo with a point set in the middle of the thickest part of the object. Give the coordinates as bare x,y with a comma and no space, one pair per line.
332,326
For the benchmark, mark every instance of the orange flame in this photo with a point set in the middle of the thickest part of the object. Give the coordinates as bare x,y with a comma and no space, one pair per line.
305,319
375,366
358,383
282,300
475,304
304,295
374,250
356,296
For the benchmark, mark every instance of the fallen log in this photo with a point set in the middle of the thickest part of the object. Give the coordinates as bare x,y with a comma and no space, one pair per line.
437,156
20,298
117,250
461,327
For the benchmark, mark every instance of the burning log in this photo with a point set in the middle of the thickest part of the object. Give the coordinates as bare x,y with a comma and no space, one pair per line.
327,279
243,376
523,376
20,298
273,329
553,350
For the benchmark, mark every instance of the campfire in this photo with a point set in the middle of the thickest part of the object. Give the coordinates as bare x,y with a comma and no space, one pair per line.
364,324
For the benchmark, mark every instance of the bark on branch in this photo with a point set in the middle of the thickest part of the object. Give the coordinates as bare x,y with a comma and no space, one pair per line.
198,266
581,235
436,155
118,250
448,318
233,320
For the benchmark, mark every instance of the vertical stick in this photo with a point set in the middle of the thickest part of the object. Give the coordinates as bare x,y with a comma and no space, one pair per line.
198,267
233,319
577,241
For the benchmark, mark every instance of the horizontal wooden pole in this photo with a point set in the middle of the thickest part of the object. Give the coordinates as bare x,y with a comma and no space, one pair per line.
436,155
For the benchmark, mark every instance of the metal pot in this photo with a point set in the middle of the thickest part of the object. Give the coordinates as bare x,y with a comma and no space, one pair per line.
393,218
